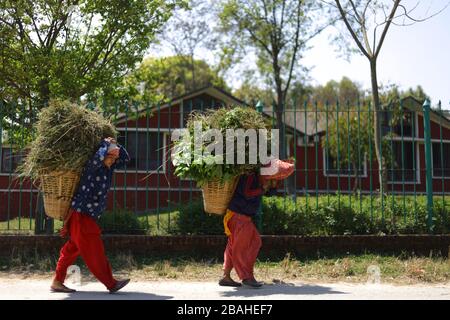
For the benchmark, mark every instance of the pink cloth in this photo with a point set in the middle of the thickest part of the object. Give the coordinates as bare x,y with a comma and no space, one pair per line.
242,247
278,169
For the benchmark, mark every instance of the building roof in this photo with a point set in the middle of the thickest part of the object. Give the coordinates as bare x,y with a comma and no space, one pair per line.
212,91
305,121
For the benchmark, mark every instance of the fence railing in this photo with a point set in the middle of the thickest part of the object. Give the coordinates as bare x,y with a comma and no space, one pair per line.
334,189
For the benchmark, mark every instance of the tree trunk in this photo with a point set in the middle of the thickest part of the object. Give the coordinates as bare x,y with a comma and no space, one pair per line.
280,125
280,109
194,84
44,92
382,174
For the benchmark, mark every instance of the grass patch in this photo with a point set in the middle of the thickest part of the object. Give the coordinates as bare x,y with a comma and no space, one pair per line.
400,269
322,216
23,225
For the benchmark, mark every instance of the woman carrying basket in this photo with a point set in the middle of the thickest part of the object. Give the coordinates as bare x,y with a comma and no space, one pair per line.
244,240
80,224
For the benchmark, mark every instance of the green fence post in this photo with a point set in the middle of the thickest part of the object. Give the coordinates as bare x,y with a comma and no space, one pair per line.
428,162
259,107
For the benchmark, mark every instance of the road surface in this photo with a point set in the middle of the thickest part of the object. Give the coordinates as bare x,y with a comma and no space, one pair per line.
38,289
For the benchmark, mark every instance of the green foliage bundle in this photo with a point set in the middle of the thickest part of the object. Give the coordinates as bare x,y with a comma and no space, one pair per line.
67,135
222,119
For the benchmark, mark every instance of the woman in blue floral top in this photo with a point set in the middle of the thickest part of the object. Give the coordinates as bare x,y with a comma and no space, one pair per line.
88,204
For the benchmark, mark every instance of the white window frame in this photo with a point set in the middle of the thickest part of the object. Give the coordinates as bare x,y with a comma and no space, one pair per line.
432,165
414,139
417,142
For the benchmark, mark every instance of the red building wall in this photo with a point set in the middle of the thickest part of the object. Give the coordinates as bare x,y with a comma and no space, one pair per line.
133,188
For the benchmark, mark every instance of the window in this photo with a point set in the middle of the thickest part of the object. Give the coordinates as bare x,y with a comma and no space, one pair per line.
406,171
144,152
331,166
441,159
396,128
10,160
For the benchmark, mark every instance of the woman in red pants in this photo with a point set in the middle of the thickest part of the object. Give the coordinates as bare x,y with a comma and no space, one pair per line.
244,240
81,226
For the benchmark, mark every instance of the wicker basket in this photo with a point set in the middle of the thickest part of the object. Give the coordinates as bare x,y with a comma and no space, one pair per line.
217,195
58,188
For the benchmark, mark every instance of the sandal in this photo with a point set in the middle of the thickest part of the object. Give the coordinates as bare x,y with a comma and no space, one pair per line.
252,283
64,289
119,285
228,283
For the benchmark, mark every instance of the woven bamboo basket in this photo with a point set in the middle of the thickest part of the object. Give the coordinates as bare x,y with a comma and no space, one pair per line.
217,195
58,188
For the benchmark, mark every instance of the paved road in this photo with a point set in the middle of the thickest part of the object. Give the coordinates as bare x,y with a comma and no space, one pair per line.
162,290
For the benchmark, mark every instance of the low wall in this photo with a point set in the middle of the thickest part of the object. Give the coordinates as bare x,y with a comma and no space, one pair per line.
214,245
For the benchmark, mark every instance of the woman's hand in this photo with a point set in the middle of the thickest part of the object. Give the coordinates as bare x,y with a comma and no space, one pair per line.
110,140
112,154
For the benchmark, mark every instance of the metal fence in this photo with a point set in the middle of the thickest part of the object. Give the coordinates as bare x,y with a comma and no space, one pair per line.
337,176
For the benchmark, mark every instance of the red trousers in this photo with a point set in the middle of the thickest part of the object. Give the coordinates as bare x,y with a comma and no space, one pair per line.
242,247
85,240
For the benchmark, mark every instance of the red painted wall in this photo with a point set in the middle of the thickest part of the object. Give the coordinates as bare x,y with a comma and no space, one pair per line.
305,176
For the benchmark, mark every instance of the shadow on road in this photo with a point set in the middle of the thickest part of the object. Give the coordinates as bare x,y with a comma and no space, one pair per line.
126,295
281,288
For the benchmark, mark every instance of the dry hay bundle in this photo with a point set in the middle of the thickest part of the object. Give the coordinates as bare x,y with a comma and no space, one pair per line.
67,135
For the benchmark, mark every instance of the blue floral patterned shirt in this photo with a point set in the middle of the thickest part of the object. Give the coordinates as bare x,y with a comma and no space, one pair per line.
91,195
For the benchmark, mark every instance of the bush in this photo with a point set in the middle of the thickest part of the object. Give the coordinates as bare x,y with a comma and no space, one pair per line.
327,215
340,215
192,219
122,222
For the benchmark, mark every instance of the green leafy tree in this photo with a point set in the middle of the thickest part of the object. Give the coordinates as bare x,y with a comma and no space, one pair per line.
350,135
188,32
251,94
343,92
160,79
367,23
72,48
275,32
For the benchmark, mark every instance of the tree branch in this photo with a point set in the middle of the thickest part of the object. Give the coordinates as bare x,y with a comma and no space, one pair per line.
350,29
386,27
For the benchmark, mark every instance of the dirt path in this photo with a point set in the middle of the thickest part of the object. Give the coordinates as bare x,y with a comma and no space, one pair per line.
161,290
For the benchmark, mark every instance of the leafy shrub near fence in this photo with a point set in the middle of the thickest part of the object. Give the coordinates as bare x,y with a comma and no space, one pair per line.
190,218
122,222
329,215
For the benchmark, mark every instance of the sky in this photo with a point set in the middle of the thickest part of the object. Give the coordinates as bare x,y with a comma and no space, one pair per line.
410,56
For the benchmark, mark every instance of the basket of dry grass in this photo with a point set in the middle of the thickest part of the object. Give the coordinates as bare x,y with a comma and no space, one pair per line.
58,188
67,135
